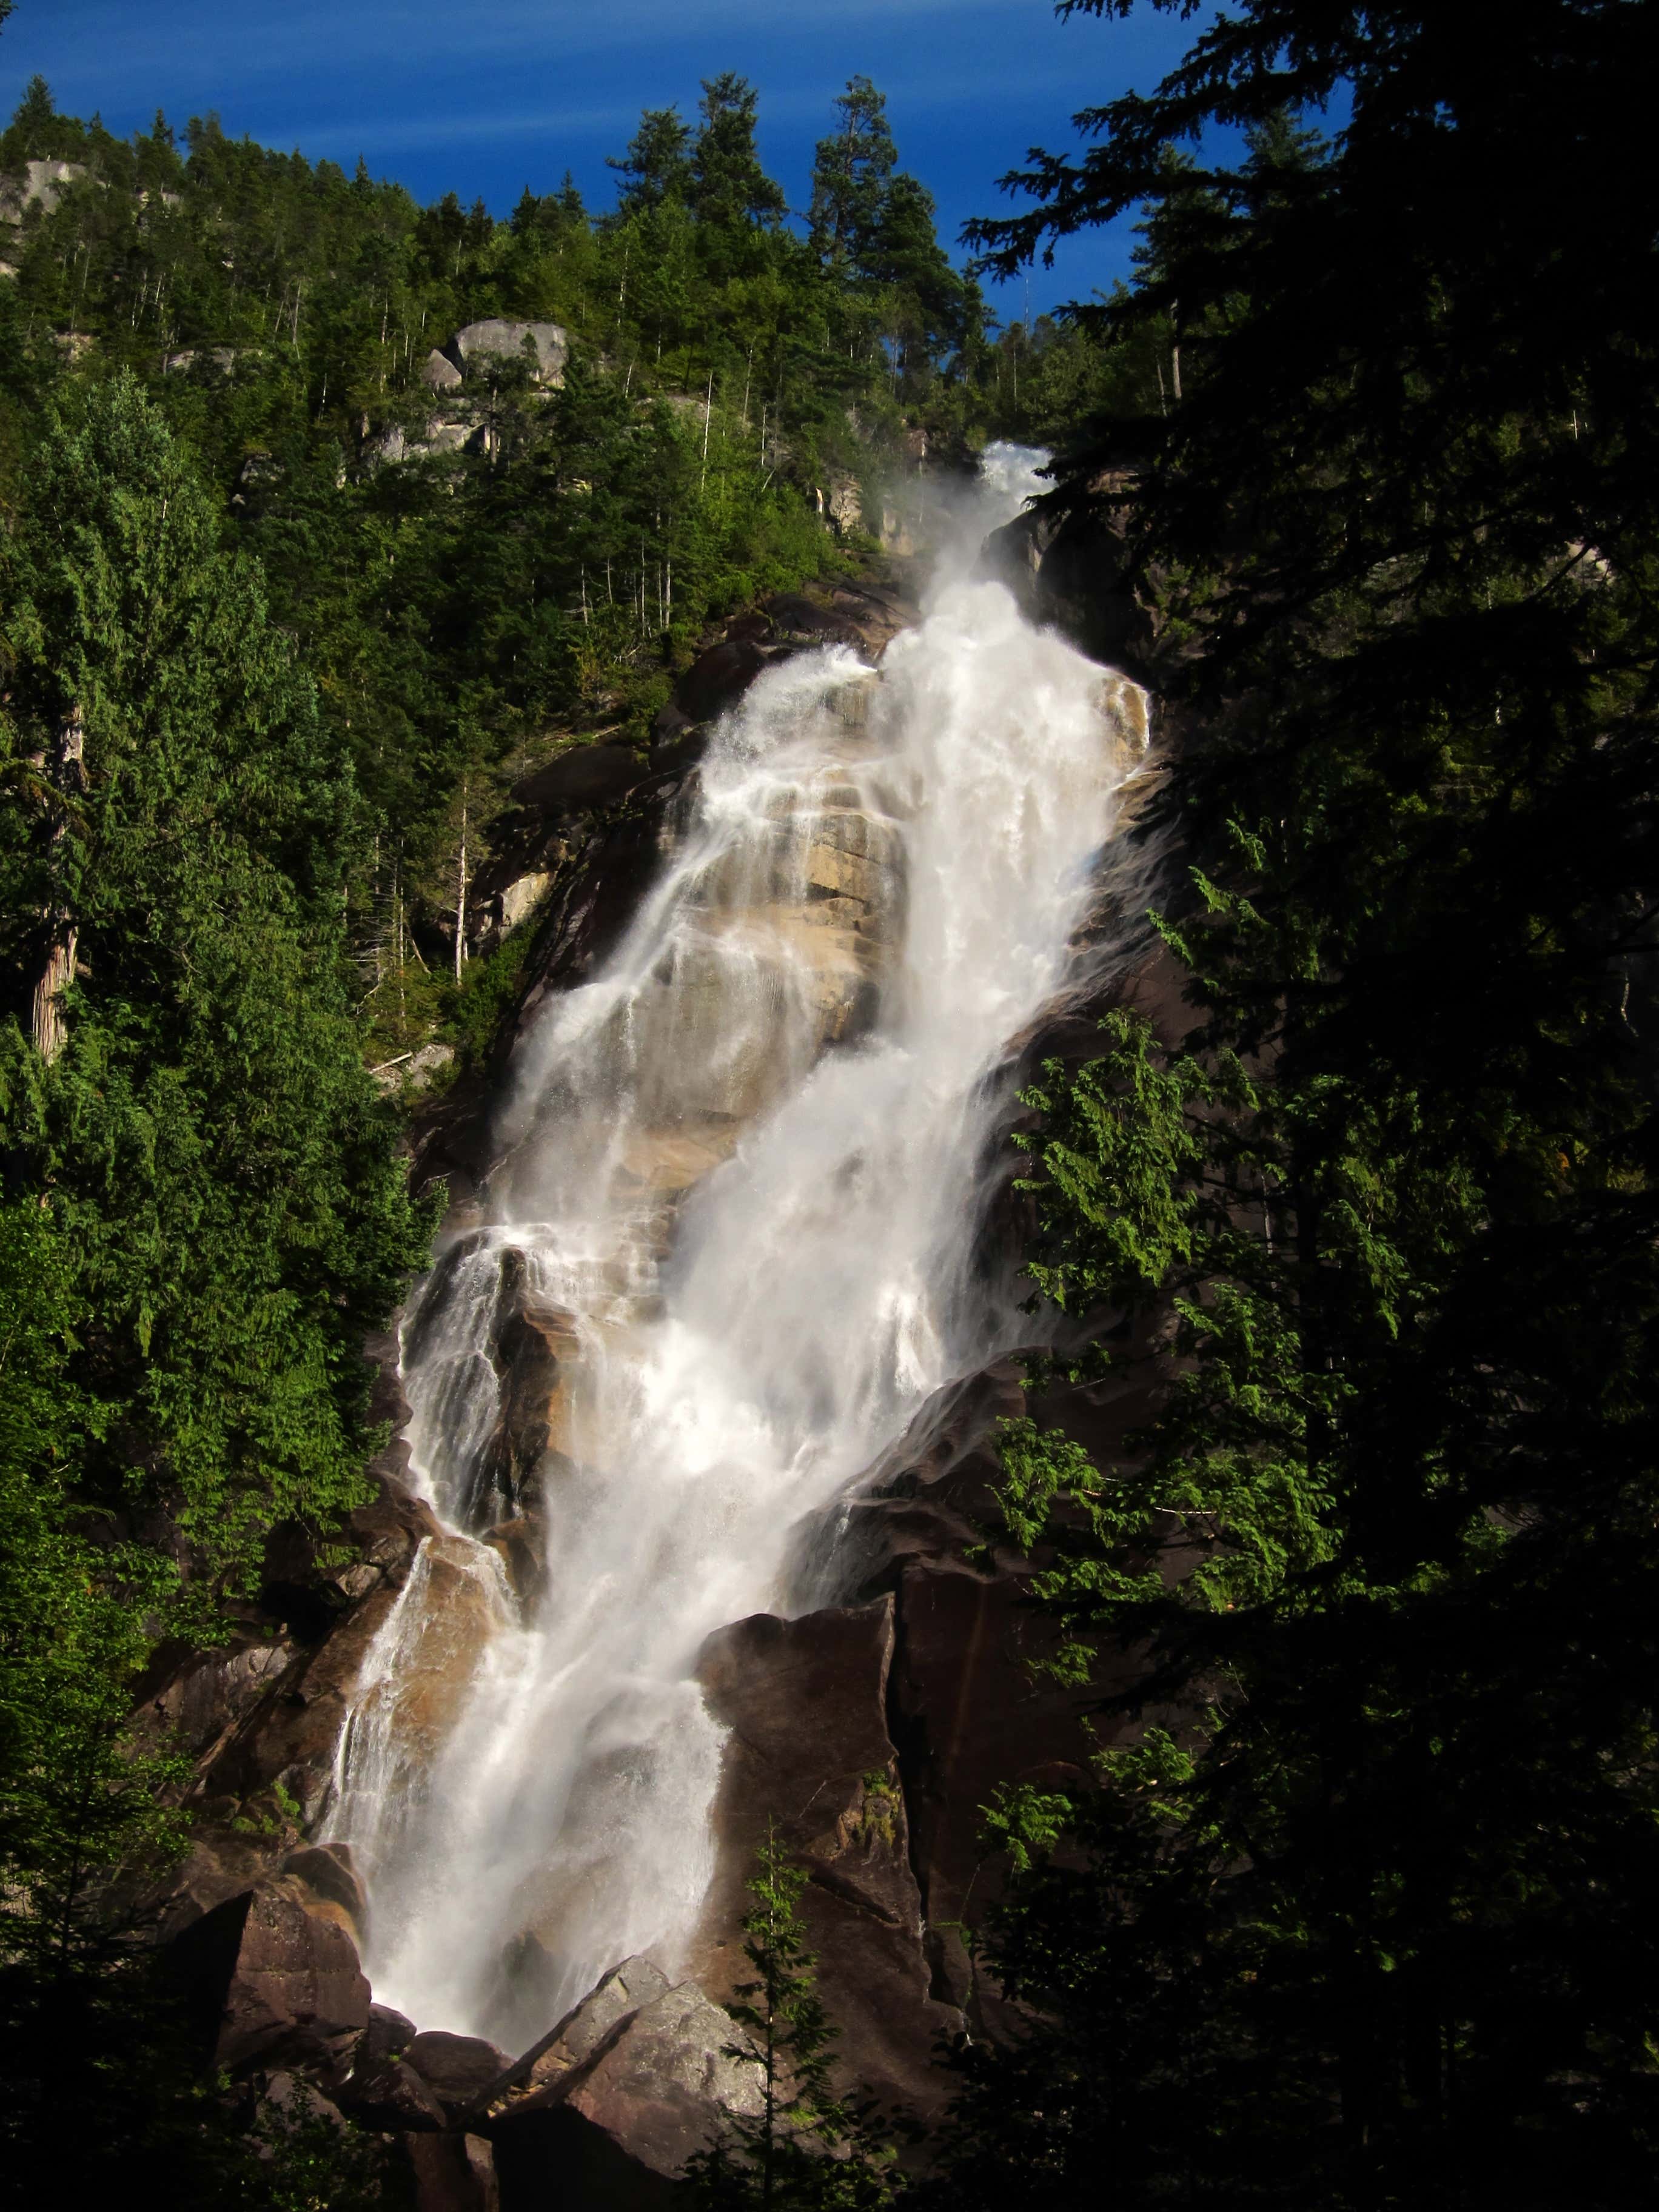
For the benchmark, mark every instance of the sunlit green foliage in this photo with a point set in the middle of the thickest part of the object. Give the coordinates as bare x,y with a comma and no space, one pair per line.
214,1155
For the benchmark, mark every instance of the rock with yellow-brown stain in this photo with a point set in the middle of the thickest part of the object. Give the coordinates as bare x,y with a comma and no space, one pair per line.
457,1604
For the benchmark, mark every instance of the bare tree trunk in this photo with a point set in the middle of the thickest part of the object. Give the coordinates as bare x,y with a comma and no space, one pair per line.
66,773
460,891
1175,347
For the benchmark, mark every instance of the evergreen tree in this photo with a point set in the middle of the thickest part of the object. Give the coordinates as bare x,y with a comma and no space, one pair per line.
851,171
806,2149
655,166
728,188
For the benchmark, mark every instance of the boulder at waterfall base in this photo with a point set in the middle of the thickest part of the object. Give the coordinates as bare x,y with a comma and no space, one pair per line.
615,2131
460,2070
264,1976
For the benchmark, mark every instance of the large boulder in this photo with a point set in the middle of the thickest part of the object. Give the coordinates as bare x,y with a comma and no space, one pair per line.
382,2090
540,2077
616,2130
439,374
545,344
266,1976
460,2070
719,677
453,2172
386,2094
802,621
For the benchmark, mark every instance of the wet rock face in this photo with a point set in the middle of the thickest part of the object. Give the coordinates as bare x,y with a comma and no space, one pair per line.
1065,563
535,1349
539,2079
811,1756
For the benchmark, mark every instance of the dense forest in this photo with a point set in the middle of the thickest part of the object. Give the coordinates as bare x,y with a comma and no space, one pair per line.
477,569
1362,468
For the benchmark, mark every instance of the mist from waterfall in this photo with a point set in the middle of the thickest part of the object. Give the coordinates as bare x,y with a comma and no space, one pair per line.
743,1174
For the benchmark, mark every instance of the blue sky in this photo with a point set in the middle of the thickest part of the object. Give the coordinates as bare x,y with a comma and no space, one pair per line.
482,96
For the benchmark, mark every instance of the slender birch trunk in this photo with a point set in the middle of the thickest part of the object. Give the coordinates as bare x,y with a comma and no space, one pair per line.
66,773
460,894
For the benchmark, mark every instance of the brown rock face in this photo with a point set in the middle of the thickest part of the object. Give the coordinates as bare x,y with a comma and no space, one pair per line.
387,2095
718,677
540,2078
461,1608
535,1348
454,2173
328,1876
1064,561
287,1735
810,1752
587,776
616,2130
966,1709
459,2069
264,1977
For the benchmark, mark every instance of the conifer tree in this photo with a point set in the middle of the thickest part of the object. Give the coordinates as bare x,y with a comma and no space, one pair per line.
806,2149
850,173
655,166
728,187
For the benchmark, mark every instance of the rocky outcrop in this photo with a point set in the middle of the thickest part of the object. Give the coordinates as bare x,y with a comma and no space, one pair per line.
1064,560
266,1976
480,345
39,184
586,777
606,2111
460,2070
439,374
809,1758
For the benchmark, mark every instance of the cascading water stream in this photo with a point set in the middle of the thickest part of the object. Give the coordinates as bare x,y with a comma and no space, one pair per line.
730,1252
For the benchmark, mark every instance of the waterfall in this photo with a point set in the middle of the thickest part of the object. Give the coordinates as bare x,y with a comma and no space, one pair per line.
729,1249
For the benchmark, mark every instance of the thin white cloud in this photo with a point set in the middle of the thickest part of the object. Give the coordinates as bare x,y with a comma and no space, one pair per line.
386,133
263,37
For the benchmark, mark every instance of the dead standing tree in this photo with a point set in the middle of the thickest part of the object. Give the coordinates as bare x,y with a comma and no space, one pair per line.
64,774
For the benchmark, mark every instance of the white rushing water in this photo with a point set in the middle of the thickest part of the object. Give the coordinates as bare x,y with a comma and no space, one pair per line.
745,1170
